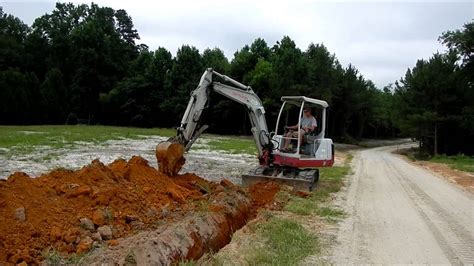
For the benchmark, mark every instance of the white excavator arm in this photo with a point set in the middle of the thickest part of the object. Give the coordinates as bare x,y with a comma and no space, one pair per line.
190,128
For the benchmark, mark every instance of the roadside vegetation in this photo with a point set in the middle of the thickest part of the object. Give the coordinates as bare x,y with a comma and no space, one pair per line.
287,242
459,162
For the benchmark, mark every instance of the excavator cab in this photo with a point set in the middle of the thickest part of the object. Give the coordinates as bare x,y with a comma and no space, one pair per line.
297,155
299,148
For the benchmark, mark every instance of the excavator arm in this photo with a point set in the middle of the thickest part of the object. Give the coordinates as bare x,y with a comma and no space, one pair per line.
191,128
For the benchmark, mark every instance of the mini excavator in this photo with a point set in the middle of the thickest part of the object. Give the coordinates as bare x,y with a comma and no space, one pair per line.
282,155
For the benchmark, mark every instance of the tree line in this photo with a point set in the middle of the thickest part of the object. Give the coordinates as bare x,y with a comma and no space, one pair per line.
81,63
434,101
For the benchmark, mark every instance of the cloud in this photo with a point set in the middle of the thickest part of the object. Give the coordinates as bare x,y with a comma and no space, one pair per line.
382,39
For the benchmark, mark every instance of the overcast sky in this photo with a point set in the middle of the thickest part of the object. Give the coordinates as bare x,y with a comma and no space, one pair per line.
381,39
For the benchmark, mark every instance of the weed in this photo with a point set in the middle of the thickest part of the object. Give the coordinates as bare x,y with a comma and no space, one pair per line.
203,186
287,242
187,263
52,257
130,259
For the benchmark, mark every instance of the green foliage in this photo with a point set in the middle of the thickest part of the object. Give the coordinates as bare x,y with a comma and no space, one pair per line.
459,162
435,100
286,243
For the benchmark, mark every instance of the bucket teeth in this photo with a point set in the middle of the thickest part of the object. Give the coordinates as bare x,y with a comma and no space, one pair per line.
170,157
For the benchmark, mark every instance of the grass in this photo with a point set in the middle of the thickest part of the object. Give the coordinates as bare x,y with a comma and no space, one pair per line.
286,243
331,180
53,257
459,162
234,145
24,139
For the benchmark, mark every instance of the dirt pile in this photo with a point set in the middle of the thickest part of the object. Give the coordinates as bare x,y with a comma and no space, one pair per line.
70,210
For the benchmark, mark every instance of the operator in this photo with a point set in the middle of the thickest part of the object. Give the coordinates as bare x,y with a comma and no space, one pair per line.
308,125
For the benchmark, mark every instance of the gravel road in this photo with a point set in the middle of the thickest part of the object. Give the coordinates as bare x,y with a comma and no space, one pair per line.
401,213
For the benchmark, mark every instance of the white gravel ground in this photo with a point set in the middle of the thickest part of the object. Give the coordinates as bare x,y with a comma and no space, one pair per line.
213,165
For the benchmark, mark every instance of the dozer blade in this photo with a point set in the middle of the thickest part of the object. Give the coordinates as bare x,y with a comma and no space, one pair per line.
170,157
298,184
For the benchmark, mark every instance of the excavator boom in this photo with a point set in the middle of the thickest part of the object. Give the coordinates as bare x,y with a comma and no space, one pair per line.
191,128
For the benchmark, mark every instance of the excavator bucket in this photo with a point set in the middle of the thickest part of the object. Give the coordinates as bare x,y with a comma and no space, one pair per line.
170,157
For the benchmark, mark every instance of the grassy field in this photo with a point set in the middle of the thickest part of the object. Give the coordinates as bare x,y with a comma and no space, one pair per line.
233,144
24,139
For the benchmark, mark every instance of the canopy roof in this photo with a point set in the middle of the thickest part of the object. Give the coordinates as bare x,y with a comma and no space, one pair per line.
299,99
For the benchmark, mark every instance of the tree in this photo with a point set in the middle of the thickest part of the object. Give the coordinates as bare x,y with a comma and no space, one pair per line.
432,98
215,59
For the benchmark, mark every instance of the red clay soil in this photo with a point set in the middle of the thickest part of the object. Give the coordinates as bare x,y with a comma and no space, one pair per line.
262,195
44,212
118,195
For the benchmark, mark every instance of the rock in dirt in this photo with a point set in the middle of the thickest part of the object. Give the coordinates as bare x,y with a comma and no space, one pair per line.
98,217
87,224
84,245
96,236
130,218
71,235
20,214
105,232
81,190
55,234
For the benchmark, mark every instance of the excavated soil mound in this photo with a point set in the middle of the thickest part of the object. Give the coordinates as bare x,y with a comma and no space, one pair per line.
67,211
71,212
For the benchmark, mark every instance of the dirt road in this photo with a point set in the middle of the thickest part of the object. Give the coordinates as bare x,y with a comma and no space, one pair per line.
400,213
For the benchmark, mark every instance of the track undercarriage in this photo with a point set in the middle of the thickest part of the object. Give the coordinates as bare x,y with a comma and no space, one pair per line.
300,179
